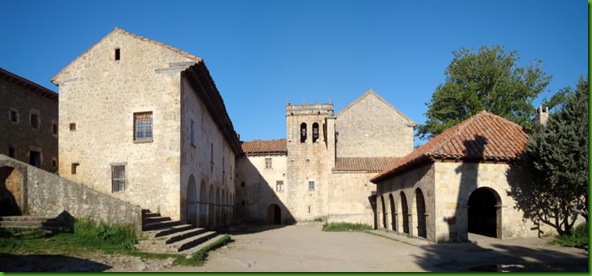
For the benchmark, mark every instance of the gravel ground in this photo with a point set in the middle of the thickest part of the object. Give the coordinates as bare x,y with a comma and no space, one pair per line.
306,248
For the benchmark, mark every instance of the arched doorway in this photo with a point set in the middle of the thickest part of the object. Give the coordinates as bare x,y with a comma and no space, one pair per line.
404,212
10,189
274,214
420,211
383,209
393,213
203,206
484,215
191,210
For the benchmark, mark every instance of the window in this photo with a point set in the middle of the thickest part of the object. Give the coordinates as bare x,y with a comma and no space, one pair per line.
72,126
302,132
279,185
311,185
118,178
74,167
35,158
54,128
143,126
117,54
13,115
268,163
11,152
212,153
54,162
315,132
34,120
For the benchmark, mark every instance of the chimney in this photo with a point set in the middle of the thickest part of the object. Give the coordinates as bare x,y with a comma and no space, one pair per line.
542,115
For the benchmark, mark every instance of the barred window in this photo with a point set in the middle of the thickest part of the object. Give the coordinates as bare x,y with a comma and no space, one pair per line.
311,185
118,178
143,126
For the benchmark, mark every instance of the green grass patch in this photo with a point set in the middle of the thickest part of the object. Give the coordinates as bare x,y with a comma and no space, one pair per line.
345,227
89,236
579,236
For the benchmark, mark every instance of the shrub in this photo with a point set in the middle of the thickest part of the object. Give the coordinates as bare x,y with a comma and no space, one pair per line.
345,226
579,236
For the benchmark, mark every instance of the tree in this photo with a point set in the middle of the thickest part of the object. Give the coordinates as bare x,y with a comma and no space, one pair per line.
487,80
557,157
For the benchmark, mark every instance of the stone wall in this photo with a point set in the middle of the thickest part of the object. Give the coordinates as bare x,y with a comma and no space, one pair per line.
99,95
46,194
25,99
371,127
348,200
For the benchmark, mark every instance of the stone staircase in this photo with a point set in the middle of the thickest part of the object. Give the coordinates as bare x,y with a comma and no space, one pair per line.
31,222
163,235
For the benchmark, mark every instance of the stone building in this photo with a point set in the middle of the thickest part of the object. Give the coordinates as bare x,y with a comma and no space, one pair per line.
322,169
28,122
456,183
144,122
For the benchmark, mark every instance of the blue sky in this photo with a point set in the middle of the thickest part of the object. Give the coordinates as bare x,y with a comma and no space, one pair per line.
262,54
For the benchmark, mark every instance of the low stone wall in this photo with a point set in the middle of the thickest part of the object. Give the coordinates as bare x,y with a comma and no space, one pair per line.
47,194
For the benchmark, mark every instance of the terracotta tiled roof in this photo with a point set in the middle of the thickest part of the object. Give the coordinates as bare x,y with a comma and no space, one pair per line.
263,147
14,78
483,137
367,164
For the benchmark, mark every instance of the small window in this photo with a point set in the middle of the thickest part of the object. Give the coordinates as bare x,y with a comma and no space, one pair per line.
11,152
315,132
279,185
243,203
302,132
74,168
143,127
242,184
311,185
72,126
34,120
54,128
268,163
14,116
212,153
117,54
118,178
54,162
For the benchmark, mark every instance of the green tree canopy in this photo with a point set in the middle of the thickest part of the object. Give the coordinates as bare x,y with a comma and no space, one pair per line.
557,157
485,80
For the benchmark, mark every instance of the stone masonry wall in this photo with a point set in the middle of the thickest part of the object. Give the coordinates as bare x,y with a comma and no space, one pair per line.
370,127
20,135
46,194
100,94
348,197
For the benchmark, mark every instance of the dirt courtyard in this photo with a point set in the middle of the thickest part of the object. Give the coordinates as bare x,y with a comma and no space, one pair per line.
305,248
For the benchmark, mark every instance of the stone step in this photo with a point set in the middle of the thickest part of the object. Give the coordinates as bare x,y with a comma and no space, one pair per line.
150,215
171,230
155,219
202,245
160,225
193,241
185,235
24,218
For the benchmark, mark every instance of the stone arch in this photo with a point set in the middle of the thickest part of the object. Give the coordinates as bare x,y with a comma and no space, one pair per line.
274,214
404,220
211,206
393,213
303,131
203,206
315,132
191,202
484,212
218,208
419,212
11,189
383,212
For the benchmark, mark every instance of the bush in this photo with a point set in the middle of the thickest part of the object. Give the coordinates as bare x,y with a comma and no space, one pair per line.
579,236
104,236
345,226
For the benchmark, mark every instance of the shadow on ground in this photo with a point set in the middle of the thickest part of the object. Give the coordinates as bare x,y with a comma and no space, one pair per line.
498,257
242,229
48,263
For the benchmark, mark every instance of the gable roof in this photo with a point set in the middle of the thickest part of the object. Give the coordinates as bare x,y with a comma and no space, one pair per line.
265,147
122,31
363,164
29,85
371,93
483,137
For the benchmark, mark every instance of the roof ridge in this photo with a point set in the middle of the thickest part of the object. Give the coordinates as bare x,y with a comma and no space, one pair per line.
372,92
